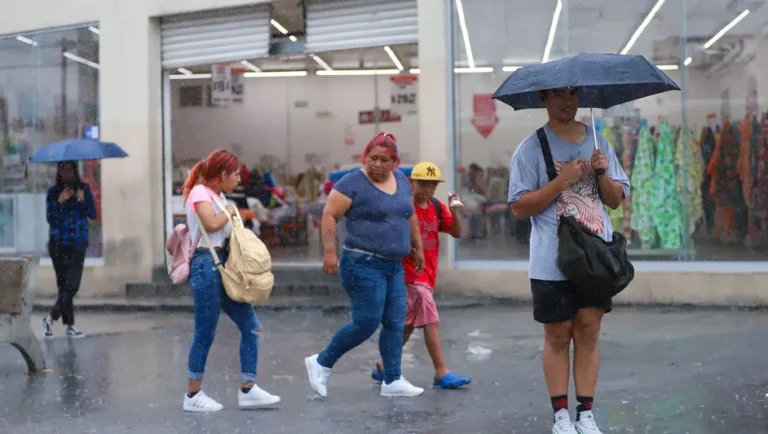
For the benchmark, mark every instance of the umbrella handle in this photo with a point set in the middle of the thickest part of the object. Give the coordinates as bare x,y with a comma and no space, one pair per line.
598,172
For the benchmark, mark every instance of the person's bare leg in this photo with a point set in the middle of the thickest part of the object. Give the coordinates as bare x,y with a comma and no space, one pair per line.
407,332
586,350
556,357
194,386
435,349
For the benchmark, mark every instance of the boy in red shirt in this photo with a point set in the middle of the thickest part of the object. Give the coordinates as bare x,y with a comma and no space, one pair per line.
420,287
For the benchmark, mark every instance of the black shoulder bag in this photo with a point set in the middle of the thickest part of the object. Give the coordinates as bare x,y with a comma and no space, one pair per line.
598,268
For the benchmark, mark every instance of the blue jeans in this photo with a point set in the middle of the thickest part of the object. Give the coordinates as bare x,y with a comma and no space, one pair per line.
376,289
210,299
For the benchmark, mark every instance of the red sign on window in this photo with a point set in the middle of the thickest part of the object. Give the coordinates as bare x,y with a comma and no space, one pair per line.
485,119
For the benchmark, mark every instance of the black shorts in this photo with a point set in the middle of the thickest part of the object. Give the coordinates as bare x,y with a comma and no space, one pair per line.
556,301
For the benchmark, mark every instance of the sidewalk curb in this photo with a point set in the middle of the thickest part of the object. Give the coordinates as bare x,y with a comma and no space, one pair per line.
334,305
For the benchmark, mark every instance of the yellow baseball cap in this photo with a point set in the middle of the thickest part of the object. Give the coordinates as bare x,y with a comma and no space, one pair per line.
426,171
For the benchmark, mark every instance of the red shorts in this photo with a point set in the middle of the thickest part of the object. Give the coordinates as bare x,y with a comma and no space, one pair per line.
422,309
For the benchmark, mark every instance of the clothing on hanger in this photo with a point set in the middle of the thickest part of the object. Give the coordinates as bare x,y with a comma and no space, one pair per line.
643,189
665,203
690,169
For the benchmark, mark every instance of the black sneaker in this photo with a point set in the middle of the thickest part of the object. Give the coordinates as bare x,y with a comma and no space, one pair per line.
72,332
47,328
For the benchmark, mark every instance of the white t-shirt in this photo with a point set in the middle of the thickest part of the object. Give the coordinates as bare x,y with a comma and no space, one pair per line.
201,193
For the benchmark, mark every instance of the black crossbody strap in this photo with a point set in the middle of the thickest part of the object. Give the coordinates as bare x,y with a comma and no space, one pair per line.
547,151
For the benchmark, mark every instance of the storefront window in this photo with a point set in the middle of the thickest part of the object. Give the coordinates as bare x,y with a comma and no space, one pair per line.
293,121
48,93
711,208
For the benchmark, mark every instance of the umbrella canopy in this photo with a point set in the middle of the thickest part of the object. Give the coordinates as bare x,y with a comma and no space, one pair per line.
603,80
77,150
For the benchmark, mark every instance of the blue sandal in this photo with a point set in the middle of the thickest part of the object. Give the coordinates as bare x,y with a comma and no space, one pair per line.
451,381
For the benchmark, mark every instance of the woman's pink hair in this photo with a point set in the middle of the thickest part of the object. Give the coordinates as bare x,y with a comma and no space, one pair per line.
210,170
383,139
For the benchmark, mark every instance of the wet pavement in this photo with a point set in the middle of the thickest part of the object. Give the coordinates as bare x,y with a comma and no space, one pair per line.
662,372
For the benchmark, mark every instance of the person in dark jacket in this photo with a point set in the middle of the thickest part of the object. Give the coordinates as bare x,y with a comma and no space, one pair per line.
69,205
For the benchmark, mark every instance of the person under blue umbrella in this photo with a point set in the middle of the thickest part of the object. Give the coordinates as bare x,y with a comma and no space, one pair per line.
69,205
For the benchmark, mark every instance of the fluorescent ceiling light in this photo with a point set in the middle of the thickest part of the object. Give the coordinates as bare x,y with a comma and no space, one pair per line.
283,30
185,71
321,62
688,61
250,66
26,40
642,26
347,72
552,31
725,29
476,70
76,58
668,67
279,27
510,68
94,30
465,33
394,58
461,70
189,76
274,74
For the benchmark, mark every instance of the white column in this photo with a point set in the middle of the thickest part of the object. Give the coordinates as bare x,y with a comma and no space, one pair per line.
436,96
130,100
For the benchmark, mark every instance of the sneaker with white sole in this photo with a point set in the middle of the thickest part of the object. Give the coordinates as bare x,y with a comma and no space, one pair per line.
47,328
586,424
201,403
400,388
72,332
318,375
256,397
563,423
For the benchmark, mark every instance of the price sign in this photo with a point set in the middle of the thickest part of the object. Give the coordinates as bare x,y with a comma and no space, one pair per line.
404,93
221,84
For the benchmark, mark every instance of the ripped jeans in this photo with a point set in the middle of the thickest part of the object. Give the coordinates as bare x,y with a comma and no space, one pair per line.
209,300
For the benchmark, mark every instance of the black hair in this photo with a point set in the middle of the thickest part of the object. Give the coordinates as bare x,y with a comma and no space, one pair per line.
76,182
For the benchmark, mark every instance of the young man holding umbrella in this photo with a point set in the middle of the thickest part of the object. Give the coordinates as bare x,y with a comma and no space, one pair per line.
588,179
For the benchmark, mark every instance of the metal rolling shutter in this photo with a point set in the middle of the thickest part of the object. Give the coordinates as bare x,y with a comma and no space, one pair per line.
207,37
348,24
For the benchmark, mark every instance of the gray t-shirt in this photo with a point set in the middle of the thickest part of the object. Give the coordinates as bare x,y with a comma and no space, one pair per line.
527,173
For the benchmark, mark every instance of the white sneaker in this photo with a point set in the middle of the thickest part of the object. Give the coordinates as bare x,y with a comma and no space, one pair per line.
586,424
318,375
563,424
256,397
201,403
400,387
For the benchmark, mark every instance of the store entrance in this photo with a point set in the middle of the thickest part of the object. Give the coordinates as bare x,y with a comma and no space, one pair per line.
292,120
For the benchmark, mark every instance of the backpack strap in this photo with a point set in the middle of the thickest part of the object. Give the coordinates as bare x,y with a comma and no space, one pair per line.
547,151
439,211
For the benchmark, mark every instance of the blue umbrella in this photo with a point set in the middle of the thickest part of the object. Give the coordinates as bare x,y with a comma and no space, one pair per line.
77,150
603,80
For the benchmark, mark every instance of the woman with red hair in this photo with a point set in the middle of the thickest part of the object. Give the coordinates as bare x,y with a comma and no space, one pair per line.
382,229
204,200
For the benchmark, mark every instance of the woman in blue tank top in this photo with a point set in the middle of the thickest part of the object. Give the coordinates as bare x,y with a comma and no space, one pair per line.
382,229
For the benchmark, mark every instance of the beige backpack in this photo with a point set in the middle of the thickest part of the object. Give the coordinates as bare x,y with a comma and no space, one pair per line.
247,275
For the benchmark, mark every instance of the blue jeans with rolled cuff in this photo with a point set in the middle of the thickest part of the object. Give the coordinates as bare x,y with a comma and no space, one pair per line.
376,290
209,300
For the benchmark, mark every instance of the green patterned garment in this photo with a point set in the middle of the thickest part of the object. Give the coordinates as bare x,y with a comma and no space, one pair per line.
690,168
642,189
665,204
